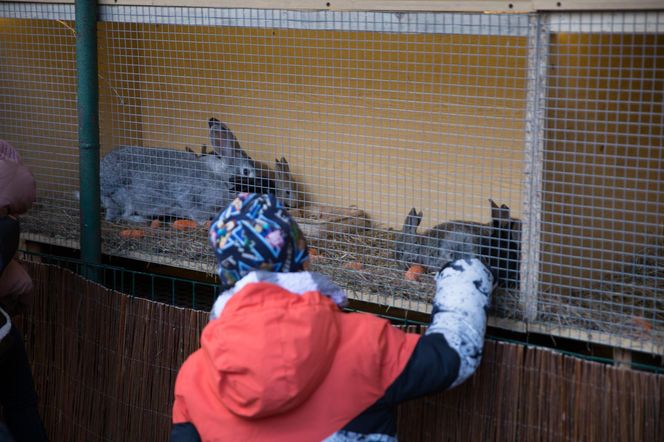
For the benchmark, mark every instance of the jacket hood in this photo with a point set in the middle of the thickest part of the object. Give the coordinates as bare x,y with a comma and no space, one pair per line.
294,282
270,349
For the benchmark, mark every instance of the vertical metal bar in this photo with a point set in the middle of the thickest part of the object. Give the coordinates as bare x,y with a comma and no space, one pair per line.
88,135
538,54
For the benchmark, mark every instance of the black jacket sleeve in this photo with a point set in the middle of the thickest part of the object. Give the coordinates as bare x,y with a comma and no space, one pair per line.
432,367
9,234
185,432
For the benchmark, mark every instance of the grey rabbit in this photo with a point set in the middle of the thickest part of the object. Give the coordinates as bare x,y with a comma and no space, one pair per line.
443,243
497,243
138,183
279,183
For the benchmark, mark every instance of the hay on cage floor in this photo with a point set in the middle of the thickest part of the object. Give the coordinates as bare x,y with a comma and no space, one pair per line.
628,303
360,260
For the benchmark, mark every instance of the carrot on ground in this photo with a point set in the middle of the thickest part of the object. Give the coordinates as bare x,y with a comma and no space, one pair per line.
132,233
353,265
414,272
184,224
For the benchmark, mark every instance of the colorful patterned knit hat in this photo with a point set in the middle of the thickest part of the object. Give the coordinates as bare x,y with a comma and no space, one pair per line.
256,233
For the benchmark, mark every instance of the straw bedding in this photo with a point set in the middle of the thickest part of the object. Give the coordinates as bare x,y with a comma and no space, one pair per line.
627,304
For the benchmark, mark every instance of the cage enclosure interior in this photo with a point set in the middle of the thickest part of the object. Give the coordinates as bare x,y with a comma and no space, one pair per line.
399,140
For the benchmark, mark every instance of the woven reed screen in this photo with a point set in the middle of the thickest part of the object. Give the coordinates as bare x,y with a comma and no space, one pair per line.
105,365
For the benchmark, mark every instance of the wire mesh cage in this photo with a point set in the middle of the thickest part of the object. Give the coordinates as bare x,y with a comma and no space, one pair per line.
38,104
602,225
399,141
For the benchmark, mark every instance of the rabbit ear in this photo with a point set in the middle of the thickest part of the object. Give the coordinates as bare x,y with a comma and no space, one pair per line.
499,215
412,220
281,165
222,139
505,216
415,215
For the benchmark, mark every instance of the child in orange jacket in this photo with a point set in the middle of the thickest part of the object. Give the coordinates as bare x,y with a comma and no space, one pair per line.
279,359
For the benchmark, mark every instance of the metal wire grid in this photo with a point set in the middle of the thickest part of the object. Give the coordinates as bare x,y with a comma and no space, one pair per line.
602,236
377,120
38,106
386,111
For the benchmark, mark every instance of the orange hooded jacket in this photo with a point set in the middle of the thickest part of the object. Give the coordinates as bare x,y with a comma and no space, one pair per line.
285,367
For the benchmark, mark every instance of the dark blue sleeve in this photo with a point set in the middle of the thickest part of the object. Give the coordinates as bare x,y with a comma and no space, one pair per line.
9,234
185,432
432,367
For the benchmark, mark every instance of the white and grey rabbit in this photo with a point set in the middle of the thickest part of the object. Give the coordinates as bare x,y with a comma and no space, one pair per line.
132,181
139,183
279,183
497,243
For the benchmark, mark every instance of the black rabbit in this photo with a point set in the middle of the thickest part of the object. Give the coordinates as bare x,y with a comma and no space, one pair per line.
502,251
279,183
498,243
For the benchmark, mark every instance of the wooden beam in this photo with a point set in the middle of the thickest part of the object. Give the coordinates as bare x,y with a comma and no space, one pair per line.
334,5
596,5
398,5
538,50
442,21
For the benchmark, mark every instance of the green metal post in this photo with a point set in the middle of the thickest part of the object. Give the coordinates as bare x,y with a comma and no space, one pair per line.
88,135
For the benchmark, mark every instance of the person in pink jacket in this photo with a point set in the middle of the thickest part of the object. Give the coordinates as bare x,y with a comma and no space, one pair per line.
17,392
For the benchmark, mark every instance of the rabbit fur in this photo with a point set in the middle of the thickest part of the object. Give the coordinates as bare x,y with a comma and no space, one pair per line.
279,183
498,243
502,250
139,183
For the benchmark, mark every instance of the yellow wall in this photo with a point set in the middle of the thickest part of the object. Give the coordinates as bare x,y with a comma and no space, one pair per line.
38,99
381,121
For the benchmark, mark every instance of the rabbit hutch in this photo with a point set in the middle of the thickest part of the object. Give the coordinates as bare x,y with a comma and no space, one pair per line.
356,113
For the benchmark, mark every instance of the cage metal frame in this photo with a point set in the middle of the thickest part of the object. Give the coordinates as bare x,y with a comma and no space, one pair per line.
541,26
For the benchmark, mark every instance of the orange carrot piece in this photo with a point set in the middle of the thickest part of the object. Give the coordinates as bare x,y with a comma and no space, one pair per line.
414,272
184,224
353,265
132,233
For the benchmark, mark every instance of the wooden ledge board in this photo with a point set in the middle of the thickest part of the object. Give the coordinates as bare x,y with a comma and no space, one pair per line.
398,5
